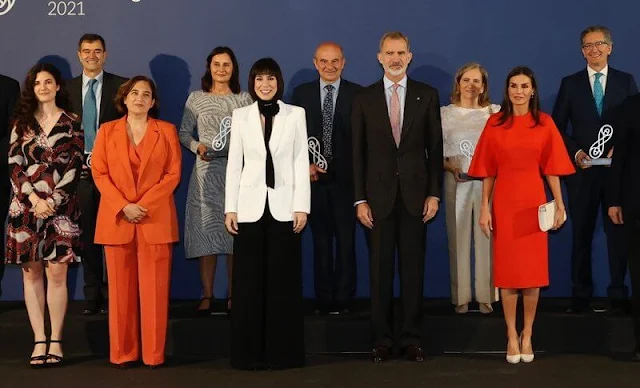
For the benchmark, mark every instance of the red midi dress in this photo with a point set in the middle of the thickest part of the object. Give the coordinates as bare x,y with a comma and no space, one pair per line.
519,154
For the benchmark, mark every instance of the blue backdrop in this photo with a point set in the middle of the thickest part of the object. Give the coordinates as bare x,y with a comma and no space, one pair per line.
169,40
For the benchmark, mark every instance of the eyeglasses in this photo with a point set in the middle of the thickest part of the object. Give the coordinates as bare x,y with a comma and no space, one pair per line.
589,46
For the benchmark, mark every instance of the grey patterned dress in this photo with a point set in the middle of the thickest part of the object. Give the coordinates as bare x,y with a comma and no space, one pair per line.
205,117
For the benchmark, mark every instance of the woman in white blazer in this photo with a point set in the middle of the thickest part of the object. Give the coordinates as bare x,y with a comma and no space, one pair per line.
267,199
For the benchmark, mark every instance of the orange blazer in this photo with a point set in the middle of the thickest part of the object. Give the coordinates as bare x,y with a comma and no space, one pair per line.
158,178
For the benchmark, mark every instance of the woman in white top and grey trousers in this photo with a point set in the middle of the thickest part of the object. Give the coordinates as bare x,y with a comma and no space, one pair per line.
462,122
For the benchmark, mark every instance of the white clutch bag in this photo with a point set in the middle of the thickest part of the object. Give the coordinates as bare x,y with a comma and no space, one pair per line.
546,214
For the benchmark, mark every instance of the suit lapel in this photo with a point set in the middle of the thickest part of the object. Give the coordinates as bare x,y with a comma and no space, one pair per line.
316,110
279,127
612,89
255,125
75,93
122,148
411,102
341,104
587,92
379,107
107,90
151,138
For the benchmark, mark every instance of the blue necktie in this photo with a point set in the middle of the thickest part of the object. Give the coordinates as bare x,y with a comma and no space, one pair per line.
598,93
327,121
89,117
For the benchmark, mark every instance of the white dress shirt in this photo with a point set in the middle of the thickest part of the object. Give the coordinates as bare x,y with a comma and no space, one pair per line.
323,93
402,93
603,78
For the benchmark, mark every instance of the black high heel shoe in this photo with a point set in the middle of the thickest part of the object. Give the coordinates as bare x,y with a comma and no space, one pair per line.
42,357
229,305
205,312
54,359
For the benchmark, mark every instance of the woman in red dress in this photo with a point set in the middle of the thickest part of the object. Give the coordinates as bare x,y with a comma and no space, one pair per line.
518,147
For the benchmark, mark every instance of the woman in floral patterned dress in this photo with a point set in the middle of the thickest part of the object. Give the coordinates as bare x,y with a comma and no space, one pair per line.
45,158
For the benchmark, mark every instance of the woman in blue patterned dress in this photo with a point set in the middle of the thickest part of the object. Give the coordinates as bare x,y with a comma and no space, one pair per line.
205,131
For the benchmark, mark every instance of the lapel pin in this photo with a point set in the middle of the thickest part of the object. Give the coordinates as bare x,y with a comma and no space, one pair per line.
418,98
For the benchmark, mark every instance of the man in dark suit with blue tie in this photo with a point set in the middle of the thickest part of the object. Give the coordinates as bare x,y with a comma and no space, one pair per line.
397,174
9,94
91,95
327,104
589,101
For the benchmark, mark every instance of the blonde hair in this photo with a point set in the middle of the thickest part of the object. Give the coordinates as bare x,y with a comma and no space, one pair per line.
394,35
483,98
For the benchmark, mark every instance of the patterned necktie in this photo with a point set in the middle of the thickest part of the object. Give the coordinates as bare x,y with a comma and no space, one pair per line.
89,117
598,93
394,114
327,121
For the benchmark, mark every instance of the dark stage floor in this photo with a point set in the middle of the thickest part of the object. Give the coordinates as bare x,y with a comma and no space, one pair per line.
560,371
464,351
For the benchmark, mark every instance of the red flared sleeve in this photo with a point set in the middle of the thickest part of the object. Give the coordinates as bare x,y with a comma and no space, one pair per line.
554,159
484,162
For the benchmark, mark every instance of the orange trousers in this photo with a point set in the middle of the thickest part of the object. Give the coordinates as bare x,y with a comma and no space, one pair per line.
139,277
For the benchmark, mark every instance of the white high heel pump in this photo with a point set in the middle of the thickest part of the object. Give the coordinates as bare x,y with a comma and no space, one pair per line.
513,358
527,358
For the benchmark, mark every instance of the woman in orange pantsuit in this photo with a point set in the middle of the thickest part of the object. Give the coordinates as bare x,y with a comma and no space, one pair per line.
519,149
136,167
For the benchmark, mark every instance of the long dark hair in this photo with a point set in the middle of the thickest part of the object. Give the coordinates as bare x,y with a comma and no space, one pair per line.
24,118
207,78
506,110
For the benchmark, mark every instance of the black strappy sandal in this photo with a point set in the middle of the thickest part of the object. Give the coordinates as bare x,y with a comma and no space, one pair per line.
42,357
57,360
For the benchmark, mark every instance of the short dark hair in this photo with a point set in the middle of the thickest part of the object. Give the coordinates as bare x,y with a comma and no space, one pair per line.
92,38
266,66
207,78
125,89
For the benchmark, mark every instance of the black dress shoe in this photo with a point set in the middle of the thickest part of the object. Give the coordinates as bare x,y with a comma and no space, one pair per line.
414,353
619,307
321,308
89,311
635,357
578,306
380,354
103,310
342,308
125,365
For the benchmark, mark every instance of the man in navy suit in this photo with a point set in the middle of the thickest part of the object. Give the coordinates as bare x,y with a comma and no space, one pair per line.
327,103
91,95
589,100
9,93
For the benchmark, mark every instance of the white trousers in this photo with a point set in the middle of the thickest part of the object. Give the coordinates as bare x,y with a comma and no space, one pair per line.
462,205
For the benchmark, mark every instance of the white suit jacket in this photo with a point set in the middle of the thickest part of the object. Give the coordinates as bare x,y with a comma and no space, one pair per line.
245,188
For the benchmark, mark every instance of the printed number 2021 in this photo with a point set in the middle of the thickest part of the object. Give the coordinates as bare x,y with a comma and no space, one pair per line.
66,8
